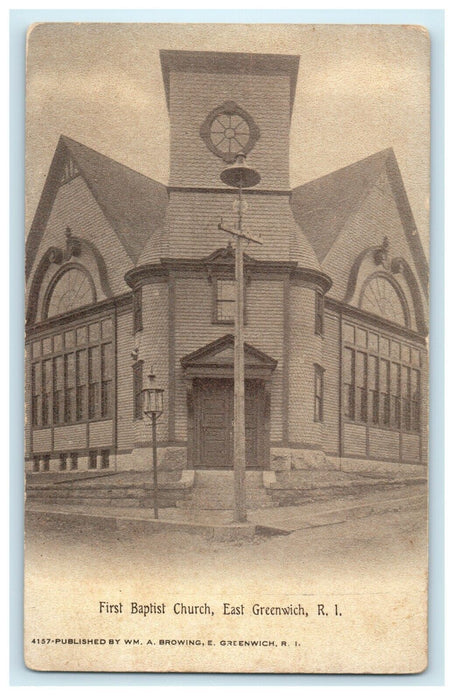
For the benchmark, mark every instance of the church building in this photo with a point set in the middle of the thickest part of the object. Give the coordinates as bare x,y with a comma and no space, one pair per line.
128,277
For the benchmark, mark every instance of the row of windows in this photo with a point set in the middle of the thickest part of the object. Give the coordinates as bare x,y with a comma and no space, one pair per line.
71,387
70,461
380,344
224,305
80,337
379,391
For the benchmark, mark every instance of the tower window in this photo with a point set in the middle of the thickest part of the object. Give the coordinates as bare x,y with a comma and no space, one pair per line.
229,130
319,313
137,311
225,301
137,382
318,393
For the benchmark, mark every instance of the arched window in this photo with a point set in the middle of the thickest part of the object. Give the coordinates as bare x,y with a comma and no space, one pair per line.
69,290
382,298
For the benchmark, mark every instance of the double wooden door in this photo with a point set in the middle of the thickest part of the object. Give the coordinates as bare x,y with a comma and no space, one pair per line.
214,423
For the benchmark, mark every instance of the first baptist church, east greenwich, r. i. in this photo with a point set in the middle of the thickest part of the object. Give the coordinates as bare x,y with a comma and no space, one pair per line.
125,274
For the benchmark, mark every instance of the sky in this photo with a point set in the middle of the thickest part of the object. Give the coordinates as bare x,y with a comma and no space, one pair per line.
360,89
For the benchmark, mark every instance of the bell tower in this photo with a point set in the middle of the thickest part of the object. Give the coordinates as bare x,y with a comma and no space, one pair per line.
222,103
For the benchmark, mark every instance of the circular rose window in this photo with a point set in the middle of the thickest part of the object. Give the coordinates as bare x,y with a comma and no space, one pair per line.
229,130
229,133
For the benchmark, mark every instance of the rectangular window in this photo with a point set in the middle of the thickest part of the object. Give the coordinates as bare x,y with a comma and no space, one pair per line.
106,379
318,393
94,373
70,380
349,383
59,387
81,384
384,393
372,385
137,311
137,380
225,301
395,395
319,313
406,393
379,385
46,463
92,459
63,462
105,454
46,391
106,328
361,386
415,399
36,463
36,392
94,333
70,339
75,384
47,346
74,460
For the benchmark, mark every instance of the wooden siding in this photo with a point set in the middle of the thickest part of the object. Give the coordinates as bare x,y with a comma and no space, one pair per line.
193,217
377,217
305,351
42,440
410,448
194,328
383,444
331,363
354,439
153,344
75,206
125,345
69,437
28,430
424,439
192,97
100,433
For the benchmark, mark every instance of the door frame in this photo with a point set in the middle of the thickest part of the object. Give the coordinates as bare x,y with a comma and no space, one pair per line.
215,361
262,457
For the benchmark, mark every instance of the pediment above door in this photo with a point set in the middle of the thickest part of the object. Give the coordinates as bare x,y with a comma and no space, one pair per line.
216,360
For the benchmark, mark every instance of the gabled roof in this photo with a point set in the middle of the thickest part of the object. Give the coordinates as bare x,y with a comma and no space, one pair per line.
134,204
323,206
219,354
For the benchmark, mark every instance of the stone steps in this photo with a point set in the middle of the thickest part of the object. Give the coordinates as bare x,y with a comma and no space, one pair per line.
103,493
214,490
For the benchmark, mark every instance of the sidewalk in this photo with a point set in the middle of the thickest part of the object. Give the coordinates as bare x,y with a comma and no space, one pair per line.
218,524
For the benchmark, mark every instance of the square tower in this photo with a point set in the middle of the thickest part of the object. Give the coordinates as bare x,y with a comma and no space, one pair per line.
222,103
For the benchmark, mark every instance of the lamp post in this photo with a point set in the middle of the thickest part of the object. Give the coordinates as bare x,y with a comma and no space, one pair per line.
239,176
153,402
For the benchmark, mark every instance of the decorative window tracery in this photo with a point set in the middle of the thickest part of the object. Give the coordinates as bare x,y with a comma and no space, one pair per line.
229,130
381,298
71,289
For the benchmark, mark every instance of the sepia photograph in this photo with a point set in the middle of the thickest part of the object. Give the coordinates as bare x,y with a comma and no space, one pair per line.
226,348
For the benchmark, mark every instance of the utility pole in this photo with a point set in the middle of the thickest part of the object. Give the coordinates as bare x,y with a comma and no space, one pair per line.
239,175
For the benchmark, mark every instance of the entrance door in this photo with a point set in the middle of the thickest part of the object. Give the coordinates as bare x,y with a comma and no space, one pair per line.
214,423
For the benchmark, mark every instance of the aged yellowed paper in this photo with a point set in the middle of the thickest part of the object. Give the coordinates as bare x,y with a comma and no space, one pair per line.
226,348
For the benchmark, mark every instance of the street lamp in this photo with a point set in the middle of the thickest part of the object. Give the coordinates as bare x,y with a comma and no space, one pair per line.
239,176
153,406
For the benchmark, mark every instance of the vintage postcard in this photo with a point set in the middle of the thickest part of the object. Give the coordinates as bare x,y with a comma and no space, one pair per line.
227,348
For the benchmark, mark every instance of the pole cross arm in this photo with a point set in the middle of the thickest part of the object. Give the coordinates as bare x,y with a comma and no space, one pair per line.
241,234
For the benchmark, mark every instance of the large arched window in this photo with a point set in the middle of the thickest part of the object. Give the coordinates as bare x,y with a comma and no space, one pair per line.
381,297
72,288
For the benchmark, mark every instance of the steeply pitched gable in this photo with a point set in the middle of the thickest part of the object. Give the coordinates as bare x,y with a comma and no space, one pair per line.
323,206
134,204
